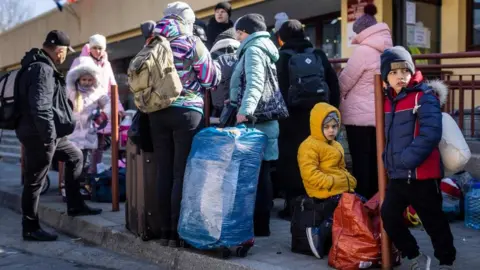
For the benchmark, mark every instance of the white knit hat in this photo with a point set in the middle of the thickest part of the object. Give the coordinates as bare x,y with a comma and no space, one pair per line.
181,9
98,40
280,18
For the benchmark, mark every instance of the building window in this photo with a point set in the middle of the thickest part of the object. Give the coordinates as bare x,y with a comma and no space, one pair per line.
423,27
473,25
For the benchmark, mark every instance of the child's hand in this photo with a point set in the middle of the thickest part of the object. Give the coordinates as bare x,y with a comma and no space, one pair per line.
103,101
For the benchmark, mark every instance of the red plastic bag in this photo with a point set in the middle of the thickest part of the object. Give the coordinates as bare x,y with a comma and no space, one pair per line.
354,243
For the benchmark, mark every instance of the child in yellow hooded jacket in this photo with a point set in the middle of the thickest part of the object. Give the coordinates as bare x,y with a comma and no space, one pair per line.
321,159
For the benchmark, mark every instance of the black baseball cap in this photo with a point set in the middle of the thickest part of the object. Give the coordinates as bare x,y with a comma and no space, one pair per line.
59,38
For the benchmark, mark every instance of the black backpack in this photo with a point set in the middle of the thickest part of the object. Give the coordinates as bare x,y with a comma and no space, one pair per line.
311,212
8,115
307,79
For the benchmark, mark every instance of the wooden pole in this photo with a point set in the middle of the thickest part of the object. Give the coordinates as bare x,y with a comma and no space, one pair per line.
382,176
114,124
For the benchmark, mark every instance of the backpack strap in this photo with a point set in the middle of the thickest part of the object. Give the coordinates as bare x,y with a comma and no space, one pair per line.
309,50
5,79
289,52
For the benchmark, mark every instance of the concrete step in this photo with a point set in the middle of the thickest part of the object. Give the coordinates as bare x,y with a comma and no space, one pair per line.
8,133
13,149
10,141
10,157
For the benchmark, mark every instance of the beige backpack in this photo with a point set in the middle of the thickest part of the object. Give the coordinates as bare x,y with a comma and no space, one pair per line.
153,78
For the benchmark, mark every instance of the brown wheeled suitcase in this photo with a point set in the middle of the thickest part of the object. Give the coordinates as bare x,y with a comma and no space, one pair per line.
142,207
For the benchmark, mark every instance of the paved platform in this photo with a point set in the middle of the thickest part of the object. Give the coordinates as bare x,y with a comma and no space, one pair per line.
108,231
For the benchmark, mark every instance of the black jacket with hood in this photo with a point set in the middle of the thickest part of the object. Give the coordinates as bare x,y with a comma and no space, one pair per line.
299,45
45,113
296,128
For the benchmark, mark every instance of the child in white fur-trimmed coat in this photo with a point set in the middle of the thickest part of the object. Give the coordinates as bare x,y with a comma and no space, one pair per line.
87,95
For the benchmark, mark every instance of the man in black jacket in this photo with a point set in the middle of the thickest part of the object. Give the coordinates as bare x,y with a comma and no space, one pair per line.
45,120
295,129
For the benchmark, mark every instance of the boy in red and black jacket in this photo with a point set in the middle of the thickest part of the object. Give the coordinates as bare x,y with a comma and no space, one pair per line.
413,129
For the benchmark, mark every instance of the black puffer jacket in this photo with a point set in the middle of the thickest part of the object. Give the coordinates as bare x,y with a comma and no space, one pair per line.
295,129
45,113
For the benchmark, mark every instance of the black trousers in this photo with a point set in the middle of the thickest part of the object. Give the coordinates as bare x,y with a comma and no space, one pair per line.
263,201
426,198
363,149
172,132
38,158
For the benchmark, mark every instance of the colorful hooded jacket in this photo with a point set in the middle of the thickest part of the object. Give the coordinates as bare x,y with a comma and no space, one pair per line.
413,132
192,60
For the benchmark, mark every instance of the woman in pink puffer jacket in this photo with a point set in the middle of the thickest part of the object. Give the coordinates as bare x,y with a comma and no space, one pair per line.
357,91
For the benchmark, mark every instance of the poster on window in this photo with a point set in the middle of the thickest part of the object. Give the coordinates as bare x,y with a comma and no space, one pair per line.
354,11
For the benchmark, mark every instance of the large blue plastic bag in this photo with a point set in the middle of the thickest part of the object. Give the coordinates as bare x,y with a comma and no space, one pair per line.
220,185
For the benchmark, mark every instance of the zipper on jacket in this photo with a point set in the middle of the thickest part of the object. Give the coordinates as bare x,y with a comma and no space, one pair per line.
338,165
389,139
436,185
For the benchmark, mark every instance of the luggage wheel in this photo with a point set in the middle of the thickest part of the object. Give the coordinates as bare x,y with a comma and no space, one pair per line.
242,251
225,252
144,236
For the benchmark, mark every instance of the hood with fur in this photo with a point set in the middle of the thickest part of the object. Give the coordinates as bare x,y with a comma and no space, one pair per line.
86,66
440,89
224,44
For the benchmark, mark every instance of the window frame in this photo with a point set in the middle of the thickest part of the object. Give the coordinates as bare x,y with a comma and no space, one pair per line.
469,46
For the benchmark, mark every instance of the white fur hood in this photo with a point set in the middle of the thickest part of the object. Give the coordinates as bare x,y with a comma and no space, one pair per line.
440,89
225,43
86,66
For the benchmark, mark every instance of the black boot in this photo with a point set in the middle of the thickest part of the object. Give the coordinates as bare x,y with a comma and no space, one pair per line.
261,224
39,235
33,232
84,210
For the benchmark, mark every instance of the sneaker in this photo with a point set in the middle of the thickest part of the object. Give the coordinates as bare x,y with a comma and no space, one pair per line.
422,262
445,267
313,236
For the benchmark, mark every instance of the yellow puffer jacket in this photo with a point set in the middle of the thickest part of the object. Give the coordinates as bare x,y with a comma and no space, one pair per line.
322,162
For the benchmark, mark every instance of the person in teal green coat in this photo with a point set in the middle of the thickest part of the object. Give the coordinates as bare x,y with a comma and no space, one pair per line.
256,53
